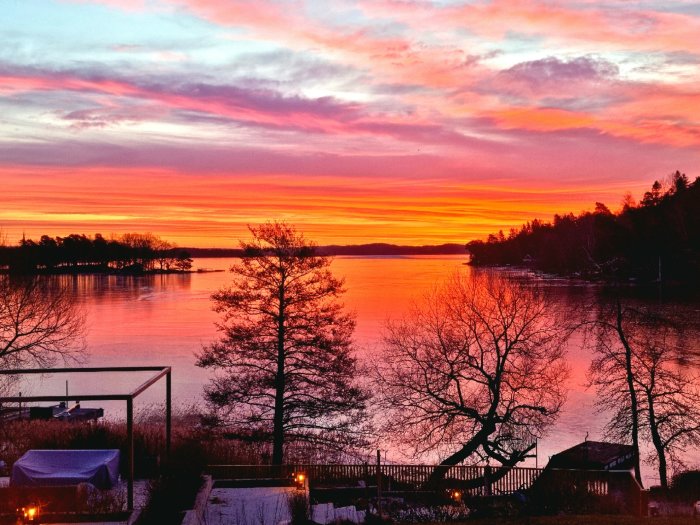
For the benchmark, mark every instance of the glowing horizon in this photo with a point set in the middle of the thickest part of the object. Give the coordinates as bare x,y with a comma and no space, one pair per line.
404,121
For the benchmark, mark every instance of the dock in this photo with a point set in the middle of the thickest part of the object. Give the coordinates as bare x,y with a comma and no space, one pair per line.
60,412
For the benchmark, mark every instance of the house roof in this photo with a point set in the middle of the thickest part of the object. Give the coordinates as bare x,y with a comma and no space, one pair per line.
594,455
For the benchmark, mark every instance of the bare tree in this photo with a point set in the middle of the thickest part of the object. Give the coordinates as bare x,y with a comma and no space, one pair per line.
477,370
39,323
612,374
644,381
284,359
672,396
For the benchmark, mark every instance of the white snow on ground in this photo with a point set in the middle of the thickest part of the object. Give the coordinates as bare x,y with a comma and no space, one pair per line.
248,506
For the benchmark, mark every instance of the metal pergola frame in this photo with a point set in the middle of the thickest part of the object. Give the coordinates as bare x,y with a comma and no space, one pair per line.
129,398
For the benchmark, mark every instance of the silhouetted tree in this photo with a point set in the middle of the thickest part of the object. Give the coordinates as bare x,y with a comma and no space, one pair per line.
640,378
653,197
671,394
284,357
182,262
39,323
476,370
612,373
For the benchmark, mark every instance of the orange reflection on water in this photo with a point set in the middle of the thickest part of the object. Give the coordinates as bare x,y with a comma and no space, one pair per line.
381,288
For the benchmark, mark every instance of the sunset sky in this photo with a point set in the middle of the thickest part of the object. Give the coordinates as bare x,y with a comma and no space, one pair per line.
406,121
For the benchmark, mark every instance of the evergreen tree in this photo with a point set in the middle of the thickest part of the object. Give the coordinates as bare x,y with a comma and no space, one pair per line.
284,358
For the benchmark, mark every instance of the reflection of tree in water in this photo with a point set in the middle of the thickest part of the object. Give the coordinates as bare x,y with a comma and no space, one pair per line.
101,288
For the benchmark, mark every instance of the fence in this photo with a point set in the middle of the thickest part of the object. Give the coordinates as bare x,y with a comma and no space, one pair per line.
474,480
550,490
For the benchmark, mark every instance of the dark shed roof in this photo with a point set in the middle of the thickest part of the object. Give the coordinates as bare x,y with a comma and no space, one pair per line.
595,455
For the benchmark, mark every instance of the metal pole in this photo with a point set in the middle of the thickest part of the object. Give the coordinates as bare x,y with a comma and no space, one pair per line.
130,452
367,480
379,483
168,412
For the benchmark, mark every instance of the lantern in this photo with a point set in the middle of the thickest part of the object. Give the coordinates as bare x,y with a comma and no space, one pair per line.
299,479
29,514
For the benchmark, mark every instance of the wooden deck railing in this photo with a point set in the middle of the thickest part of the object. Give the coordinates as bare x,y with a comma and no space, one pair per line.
394,477
556,488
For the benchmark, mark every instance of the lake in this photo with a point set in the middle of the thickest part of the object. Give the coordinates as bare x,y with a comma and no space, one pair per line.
165,320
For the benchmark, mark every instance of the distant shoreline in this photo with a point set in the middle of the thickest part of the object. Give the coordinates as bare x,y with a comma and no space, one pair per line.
39,266
353,249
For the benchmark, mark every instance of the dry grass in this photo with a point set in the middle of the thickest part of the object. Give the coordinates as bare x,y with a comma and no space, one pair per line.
16,437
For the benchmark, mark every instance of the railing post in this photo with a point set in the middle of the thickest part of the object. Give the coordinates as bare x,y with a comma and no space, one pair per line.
366,476
379,483
487,480
168,412
130,452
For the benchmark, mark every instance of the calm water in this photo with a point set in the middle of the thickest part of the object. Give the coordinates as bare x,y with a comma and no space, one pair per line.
165,320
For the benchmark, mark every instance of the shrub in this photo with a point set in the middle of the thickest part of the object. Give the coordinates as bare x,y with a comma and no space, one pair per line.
176,488
685,486
440,514
299,507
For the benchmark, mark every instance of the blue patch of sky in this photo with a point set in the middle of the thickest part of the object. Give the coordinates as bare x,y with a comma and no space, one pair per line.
41,32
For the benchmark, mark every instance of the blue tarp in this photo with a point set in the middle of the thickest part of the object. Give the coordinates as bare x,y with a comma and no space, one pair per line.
66,467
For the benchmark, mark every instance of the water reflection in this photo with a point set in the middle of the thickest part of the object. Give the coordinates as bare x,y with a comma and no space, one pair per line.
98,287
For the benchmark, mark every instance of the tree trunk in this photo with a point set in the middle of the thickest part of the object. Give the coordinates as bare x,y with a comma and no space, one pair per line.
278,430
658,443
467,450
632,392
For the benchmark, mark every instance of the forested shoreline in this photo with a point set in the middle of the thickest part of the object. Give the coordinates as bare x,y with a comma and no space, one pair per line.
370,250
137,253
657,239
131,253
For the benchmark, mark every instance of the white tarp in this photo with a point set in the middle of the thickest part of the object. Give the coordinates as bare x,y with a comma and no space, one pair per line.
66,467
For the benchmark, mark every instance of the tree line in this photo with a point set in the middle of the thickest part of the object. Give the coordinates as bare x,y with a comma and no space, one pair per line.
127,253
655,239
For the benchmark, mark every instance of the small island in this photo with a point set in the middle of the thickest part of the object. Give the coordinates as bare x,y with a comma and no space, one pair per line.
131,253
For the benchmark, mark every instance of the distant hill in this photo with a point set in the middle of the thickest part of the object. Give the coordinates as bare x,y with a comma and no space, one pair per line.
356,249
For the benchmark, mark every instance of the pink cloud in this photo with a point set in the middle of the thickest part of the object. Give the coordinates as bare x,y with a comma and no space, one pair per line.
622,26
256,106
